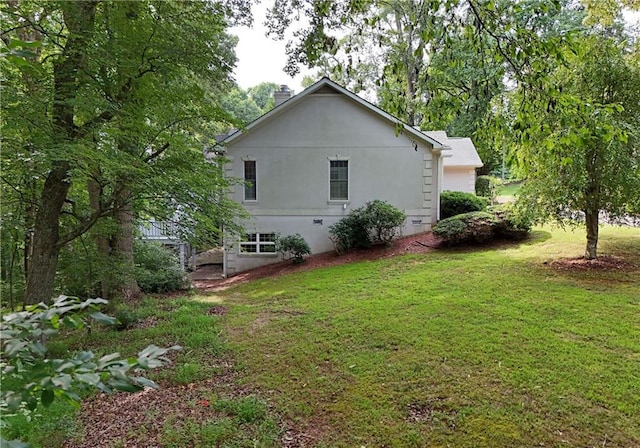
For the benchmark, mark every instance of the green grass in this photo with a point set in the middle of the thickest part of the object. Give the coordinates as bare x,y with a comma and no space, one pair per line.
467,348
463,348
509,189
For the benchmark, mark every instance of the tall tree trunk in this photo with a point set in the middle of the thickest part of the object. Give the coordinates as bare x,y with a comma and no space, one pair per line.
102,242
591,220
79,17
124,242
46,236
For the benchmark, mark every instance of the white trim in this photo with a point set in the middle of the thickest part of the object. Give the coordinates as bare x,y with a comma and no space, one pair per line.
330,200
257,243
244,178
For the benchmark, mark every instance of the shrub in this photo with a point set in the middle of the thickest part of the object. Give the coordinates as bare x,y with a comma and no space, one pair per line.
125,318
482,227
377,222
456,202
512,223
294,246
487,187
472,227
383,221
157,268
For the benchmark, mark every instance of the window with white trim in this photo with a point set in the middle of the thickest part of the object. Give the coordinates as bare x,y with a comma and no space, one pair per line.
258,243
251,181
338,180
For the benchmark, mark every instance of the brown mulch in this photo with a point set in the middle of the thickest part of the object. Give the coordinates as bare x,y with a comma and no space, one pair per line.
602,263
415,244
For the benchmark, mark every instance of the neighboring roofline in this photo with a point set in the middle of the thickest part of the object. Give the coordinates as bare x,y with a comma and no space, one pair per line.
436,145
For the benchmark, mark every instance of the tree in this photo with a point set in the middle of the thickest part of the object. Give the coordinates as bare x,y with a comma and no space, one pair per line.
437,65
582,153
115,122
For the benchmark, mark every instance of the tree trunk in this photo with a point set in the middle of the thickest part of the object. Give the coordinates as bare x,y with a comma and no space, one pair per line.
79,17
591,220
45,249
102,242
124,243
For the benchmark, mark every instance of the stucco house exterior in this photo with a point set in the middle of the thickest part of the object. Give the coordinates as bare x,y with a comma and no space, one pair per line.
460,168
316,156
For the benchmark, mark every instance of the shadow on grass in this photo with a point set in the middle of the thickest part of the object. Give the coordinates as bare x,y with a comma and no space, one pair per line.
534,237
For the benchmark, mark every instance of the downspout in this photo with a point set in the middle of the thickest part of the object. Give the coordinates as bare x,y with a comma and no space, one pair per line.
224,254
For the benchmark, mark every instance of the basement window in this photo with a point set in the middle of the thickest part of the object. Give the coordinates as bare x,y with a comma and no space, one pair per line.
258,243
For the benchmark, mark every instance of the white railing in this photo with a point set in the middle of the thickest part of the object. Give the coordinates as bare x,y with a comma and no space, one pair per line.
158,230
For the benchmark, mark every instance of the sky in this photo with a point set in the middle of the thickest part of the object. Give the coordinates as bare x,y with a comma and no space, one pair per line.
260,58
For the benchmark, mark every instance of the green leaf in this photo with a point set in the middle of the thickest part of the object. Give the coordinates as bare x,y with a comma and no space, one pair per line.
103,318
47,397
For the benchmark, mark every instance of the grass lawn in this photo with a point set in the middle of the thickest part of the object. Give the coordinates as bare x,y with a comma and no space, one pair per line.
509,189
485,347
475,348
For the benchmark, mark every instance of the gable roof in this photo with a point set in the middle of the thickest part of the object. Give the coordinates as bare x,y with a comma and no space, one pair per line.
325,85
463,151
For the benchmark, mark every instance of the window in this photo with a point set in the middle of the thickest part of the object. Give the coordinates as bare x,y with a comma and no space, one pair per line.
338,180
250,177
258,243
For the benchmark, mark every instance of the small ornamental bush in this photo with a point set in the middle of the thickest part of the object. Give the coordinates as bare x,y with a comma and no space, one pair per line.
481,227
157,268
456,202
295,247
377,222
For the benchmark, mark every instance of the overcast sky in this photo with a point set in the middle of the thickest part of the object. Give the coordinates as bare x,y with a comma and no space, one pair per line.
260,58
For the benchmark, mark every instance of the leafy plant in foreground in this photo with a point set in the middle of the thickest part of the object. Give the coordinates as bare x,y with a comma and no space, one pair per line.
29,377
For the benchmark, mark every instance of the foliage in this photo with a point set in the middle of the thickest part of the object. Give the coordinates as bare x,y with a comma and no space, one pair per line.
487,187
377,222
106,108
125,318
30,376
158,268
472,227
457,202
580,153
294,246
482,227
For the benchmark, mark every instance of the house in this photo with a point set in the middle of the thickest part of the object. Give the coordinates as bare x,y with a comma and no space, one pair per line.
315,157
460,168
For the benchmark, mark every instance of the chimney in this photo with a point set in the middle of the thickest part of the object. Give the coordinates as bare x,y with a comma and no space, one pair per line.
282,95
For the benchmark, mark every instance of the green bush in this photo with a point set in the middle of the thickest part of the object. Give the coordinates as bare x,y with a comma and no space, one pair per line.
487,187
482,227
472,227
377,222
456,202
295,247
157,268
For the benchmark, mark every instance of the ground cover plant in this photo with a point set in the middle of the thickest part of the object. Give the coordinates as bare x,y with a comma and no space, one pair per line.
513,345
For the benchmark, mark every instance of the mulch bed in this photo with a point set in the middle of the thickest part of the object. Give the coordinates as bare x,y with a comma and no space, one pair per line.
602,263
414,244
